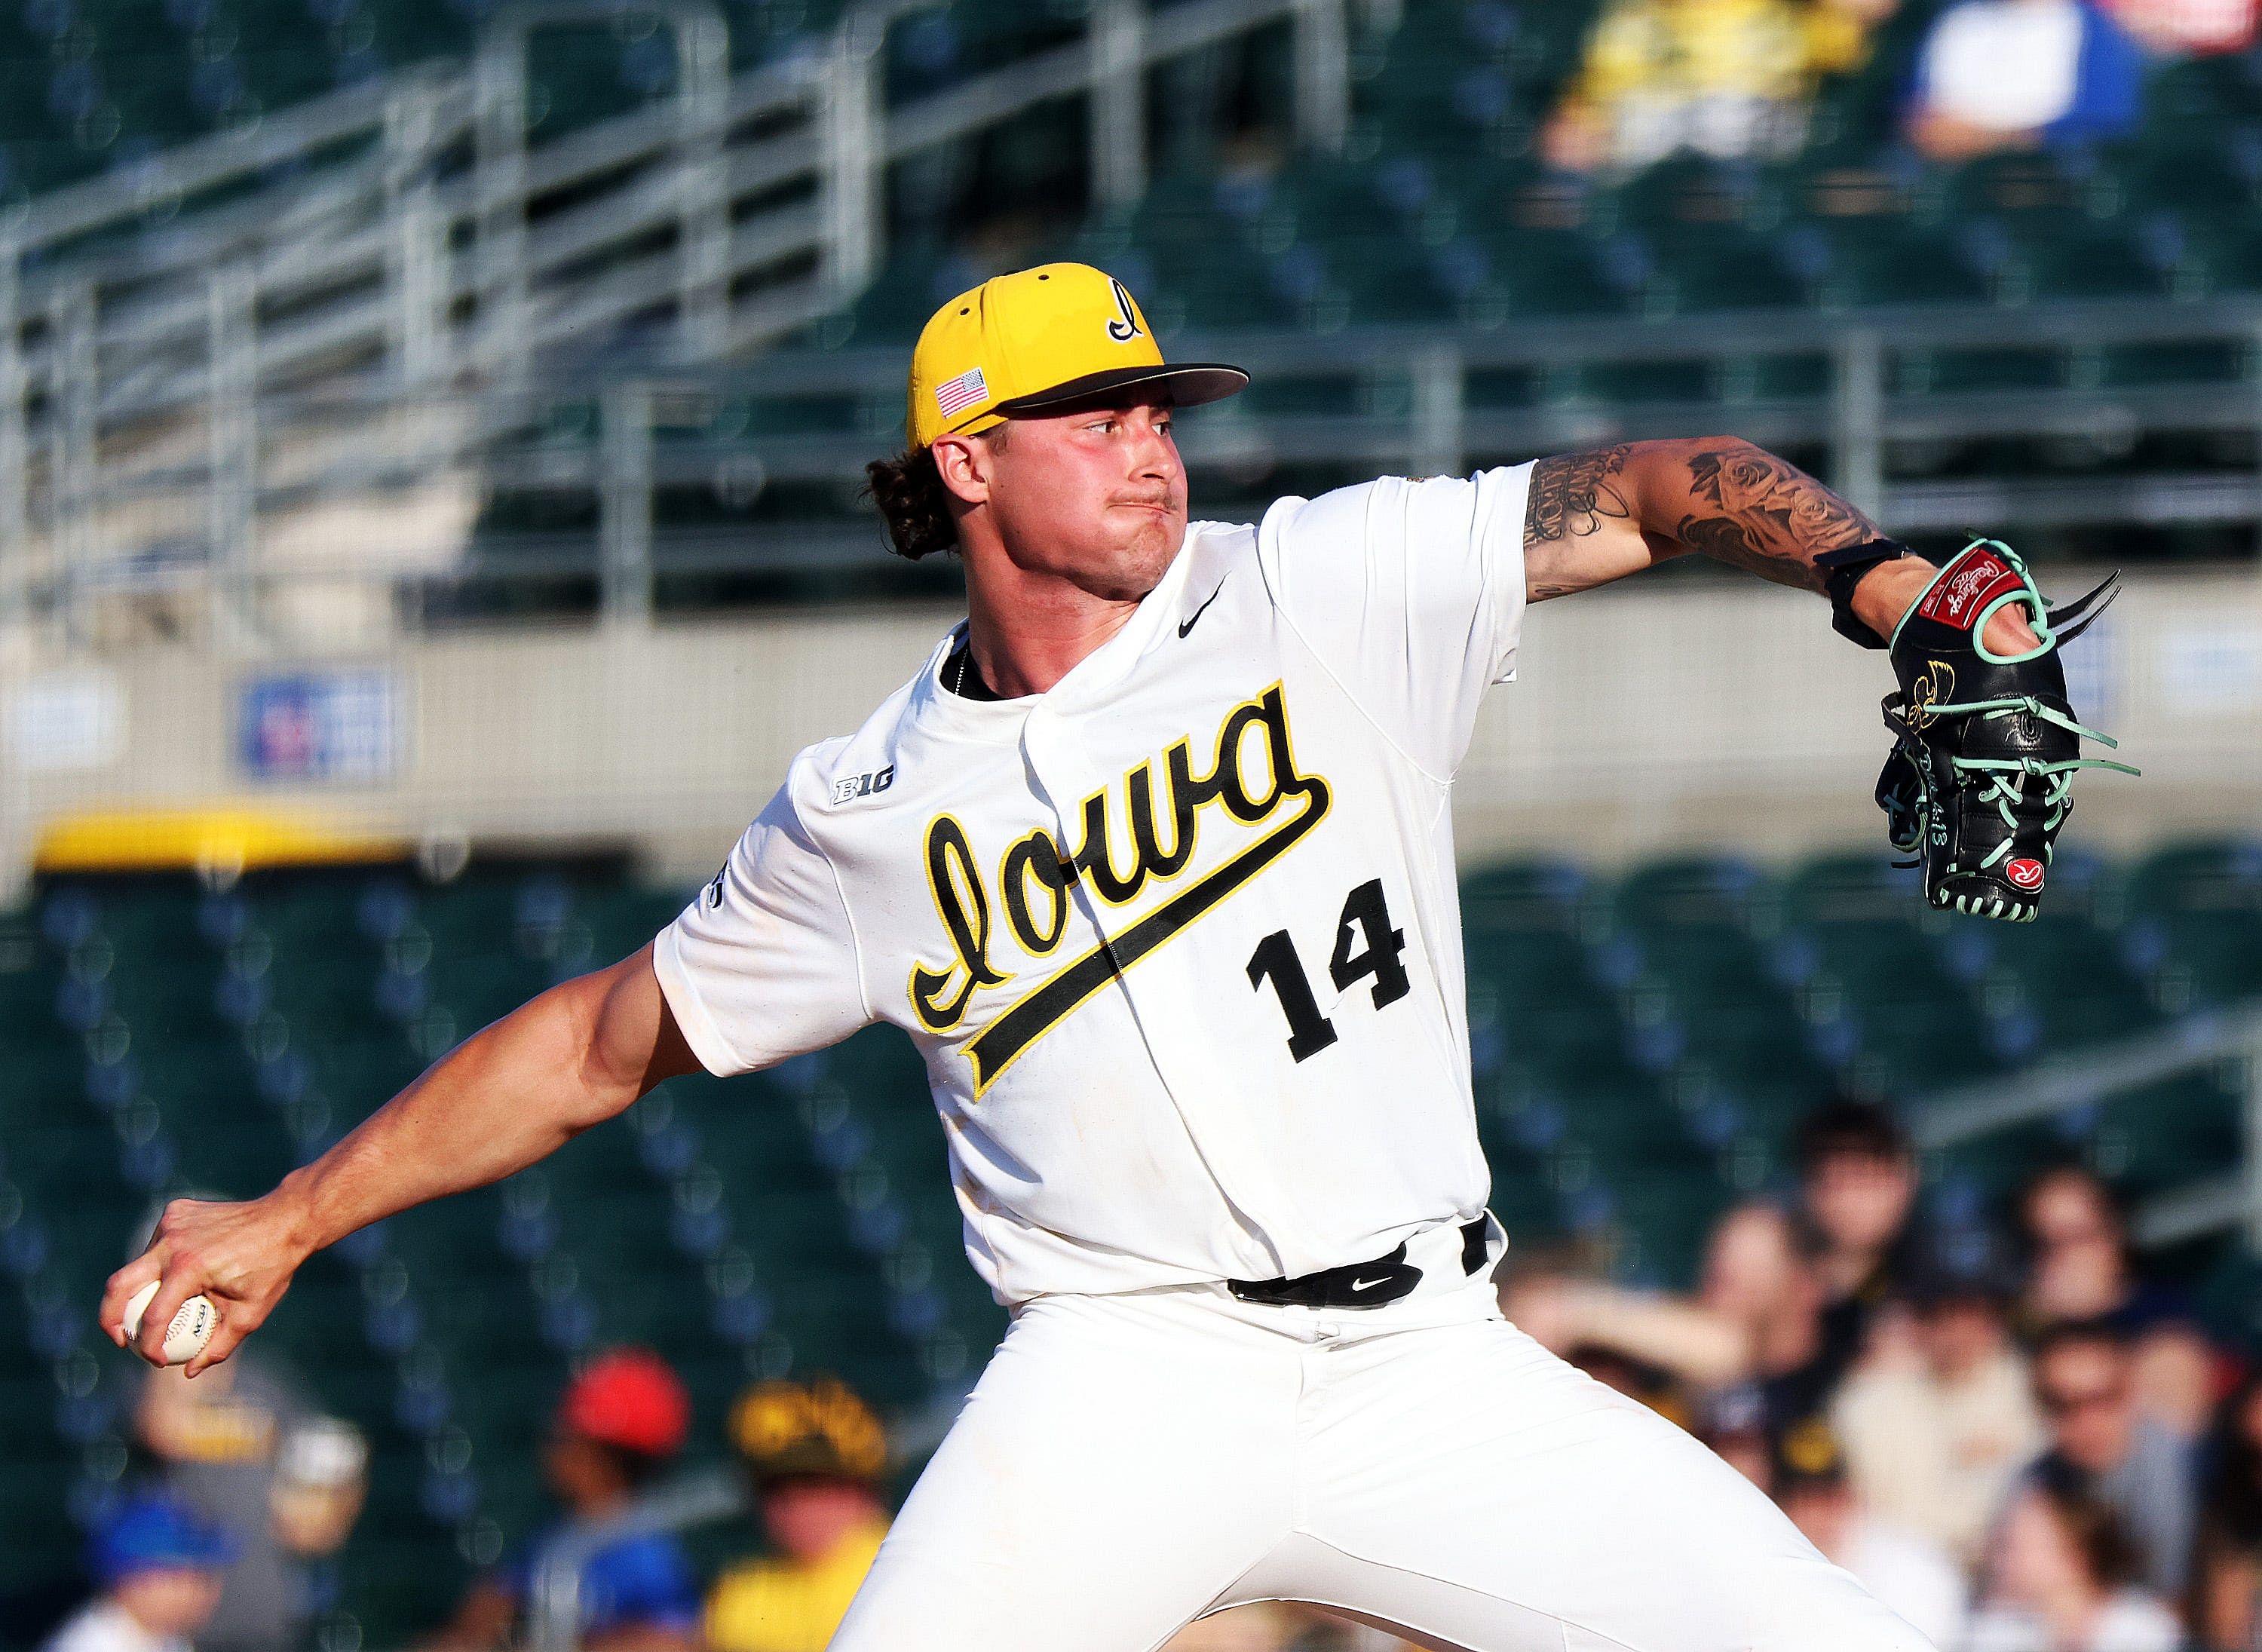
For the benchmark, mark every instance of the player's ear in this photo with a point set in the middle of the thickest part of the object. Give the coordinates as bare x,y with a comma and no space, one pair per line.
964,464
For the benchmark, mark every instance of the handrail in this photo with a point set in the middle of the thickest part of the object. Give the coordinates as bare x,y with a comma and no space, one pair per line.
1384,439
437,260
2082,1077
206,162
1064,70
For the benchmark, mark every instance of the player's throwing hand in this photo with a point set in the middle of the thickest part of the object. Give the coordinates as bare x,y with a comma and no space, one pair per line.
239,1256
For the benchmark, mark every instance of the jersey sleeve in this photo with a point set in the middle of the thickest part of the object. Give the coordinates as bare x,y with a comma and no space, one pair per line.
1412,593
762,965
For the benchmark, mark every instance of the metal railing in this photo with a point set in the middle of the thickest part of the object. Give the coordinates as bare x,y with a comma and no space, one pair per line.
403,249
2081,1079
366,304
1358,401
1421,401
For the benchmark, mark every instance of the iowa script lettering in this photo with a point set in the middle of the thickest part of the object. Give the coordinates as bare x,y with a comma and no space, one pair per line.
1252,776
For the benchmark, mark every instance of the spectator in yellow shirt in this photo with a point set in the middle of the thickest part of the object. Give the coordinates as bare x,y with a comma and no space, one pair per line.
814,1452
1728,78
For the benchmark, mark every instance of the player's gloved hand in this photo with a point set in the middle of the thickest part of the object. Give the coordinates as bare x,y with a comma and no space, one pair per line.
1980,779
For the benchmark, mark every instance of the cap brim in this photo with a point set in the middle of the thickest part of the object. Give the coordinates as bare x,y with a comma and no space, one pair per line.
1190,384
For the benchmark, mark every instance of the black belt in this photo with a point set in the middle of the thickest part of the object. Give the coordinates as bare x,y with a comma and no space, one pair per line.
1360,1284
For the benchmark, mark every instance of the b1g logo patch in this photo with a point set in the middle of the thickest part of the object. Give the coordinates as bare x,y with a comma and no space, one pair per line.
2024,873
855,786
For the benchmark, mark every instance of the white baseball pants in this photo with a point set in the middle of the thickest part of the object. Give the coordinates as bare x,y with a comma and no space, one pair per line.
1129,1464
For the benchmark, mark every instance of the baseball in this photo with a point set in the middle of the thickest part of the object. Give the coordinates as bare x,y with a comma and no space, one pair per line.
191,1329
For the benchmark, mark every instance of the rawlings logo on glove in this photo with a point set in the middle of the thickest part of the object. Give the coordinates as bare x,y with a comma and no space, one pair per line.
1985,746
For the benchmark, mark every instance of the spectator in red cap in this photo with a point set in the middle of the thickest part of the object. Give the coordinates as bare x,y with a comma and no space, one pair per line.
605,1577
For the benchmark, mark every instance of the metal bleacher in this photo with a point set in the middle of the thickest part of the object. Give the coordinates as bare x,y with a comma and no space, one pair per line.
355,297
616,302
1644,1044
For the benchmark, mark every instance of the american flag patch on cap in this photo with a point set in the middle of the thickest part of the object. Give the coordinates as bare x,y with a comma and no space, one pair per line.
953,396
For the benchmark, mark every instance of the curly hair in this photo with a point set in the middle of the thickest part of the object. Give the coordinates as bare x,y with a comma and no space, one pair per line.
908,492
912,500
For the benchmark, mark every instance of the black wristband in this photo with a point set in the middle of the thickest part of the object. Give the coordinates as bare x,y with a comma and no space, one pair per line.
1845,568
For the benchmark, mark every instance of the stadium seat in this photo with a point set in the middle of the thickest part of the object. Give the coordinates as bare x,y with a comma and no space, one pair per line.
1644,1043
2198,912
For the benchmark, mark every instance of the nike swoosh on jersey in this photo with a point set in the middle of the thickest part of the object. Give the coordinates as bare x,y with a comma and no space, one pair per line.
994,1049
1187,624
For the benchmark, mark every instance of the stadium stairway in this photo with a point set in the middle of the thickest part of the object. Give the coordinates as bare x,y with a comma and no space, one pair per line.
1441,210
1643,1046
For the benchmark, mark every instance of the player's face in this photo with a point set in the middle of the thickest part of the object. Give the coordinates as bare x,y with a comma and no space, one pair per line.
1096,497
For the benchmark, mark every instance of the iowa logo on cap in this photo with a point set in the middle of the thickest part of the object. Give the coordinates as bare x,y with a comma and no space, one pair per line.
1125,326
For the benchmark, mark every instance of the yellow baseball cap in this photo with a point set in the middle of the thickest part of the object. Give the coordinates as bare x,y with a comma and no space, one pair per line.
807,1428
1038,340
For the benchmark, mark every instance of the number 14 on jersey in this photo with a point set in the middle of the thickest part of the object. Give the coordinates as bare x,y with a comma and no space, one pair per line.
1364,923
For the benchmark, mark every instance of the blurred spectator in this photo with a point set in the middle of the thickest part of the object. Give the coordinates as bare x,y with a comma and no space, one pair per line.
158,1565
1724,77
221,1444
2227,1589
815,1453
2176,1379
2082,1270
2080,1267
2102,1444
605,1577
321,1477
1910,1573
1996,75
2061,1578
1754,1317
1733,1423
1656,1388
1856,1186
2178,27
1932,1443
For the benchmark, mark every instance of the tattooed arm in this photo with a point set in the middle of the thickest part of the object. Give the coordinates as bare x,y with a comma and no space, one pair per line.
1599,515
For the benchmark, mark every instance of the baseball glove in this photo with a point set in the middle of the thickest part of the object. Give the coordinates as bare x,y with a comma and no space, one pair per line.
1980,779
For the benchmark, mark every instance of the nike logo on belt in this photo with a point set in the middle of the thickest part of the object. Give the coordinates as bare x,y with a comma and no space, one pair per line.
1369,1284
1187,624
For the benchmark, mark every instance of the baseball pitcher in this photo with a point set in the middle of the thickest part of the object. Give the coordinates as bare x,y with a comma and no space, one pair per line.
1153,860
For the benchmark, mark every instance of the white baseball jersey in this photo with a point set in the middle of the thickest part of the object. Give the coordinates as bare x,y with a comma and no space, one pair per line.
1180,938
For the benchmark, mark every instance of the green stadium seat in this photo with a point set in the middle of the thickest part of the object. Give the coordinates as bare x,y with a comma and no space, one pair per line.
1645,1047
1888,257
46,1081
624,919
2198,919
2169,1134
235,1160
2174,361
1537,272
